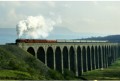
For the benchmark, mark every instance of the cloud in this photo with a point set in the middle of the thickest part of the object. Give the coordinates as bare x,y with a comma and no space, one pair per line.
78,16
11,18
67,6
89,20
51,3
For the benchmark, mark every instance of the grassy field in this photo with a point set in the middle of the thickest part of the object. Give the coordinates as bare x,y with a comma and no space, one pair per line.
111,73
16,63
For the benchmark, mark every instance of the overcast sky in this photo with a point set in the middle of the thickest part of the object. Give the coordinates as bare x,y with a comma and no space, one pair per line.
79,16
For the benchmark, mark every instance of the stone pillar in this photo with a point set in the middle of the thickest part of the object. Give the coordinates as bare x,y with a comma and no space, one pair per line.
45,55
91,58
35,49
68,59
76,66
54,58
94,58
86,60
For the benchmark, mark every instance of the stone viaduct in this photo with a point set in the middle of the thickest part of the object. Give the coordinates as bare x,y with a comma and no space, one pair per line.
76,57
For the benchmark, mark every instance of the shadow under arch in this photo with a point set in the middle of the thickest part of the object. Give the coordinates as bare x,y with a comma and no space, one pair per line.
107,55
100,57
103,56
109,52
88,58
72,59
106,61
96,57
111,57
58,60
41,54
79,61
93,57
31,51
84,57
65,57
50,58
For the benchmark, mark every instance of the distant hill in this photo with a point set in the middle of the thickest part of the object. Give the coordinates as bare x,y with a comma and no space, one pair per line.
110,38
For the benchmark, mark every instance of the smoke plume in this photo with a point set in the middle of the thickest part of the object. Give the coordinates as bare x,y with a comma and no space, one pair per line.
35,27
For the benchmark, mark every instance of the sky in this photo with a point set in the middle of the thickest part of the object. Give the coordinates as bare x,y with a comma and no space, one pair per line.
102,17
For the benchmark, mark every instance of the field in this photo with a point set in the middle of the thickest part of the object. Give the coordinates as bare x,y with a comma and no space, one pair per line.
111,73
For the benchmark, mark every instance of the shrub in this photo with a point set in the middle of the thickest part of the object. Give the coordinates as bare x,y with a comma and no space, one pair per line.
68,75
55,75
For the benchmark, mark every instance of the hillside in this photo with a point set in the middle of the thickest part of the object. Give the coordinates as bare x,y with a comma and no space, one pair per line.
110,38
15,63
18,64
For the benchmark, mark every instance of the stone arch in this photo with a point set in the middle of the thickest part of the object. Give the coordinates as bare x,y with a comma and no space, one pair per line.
65,58
88,58
50,57
96,57
31,51
41,54
79,61
93,57
72,59
84,57
58,59
100,57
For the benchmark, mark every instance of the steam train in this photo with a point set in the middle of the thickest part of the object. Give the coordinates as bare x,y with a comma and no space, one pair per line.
55,41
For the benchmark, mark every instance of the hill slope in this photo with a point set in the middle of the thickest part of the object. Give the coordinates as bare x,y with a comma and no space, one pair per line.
110,38
15,63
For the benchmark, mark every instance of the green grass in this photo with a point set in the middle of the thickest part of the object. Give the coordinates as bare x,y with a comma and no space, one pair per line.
111,73
12,74
13,58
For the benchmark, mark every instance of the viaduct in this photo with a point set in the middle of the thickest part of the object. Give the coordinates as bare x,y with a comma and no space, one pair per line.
77,57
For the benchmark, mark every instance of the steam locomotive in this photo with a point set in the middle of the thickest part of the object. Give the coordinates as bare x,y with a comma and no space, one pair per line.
54,41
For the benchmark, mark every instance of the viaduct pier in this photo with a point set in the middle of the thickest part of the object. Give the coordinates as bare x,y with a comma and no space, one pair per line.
78,57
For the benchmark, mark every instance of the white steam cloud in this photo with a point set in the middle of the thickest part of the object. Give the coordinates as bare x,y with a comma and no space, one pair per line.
36,27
